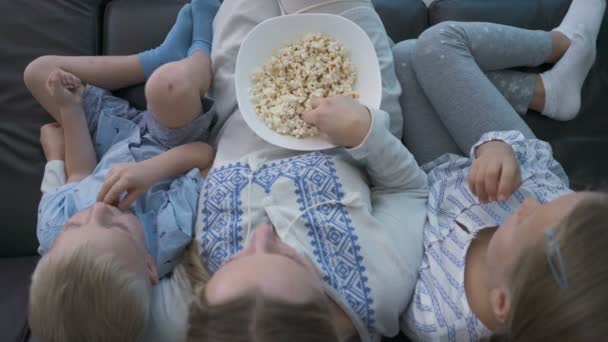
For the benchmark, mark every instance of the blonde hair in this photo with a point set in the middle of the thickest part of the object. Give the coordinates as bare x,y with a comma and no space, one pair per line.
541,309
84,296
252,317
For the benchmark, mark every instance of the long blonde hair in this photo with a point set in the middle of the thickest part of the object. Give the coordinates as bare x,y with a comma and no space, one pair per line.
82,296
253,317
544,311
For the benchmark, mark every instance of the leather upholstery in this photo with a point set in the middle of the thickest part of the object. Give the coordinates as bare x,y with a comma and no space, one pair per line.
32,28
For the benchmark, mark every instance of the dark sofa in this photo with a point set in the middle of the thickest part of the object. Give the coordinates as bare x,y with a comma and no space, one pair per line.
31,28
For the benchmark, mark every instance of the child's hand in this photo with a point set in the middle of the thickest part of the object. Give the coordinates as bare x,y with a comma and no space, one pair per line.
132,178
344,120
65,88
495,174
51,139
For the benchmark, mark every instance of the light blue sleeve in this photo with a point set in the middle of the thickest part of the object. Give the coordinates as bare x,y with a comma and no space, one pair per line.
175,219
55,208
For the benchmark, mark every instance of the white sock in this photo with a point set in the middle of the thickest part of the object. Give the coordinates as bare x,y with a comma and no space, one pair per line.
563,83
588,13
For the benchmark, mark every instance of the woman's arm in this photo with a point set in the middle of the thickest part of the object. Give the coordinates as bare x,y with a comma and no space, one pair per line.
366,135
136,178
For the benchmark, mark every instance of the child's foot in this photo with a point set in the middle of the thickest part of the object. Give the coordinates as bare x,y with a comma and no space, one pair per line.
203,13
585,14
65,88
175,46
563,83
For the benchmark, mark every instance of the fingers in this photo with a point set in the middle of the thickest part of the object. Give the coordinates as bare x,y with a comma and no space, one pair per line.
315,101
108,184
481,187
129,199
116,189
473,178
509,181
311,117
492,177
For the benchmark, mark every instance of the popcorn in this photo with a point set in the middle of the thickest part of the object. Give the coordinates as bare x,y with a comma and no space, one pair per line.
315,65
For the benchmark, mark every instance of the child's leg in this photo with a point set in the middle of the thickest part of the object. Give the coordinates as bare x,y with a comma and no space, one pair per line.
111,72
521,90
562,84
174,90
108,72
450,61
423,132
203,13
191,33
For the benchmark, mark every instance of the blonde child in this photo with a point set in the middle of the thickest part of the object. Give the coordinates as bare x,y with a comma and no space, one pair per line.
126,213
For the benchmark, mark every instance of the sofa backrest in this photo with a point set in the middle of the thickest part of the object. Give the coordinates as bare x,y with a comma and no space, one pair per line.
31,28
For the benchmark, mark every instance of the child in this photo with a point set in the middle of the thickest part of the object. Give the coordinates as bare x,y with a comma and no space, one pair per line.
513,251
509,267
114,229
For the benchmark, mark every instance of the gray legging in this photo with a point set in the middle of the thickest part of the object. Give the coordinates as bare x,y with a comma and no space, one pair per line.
456,86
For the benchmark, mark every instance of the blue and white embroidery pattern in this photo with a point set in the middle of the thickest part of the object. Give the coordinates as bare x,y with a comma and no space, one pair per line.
222,232
330,228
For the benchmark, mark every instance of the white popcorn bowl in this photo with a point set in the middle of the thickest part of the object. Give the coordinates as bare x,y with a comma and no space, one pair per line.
271,35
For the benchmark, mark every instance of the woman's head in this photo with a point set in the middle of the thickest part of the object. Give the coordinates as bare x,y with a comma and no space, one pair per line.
268,266
266,292
254,317
539,306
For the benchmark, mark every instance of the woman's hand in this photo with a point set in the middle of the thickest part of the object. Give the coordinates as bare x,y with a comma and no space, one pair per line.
344,120
495,174
132,178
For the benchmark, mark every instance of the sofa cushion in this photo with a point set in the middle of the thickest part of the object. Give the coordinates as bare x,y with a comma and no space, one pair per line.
14,284
581,145
32,28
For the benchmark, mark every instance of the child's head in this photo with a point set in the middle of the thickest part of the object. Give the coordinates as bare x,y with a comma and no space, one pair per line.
550,271
95,282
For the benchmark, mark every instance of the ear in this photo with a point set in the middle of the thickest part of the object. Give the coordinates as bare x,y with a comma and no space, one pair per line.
500,302
152,272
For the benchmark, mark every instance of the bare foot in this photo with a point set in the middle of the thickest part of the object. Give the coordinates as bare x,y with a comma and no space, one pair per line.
51,138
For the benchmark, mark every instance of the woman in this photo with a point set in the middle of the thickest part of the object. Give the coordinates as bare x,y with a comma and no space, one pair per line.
329,237
295,241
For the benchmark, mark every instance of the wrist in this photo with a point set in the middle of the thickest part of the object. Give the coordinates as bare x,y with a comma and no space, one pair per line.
490,146
152,171
361,128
